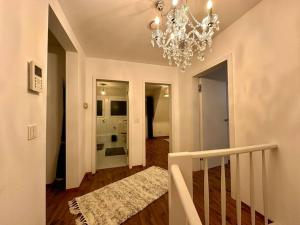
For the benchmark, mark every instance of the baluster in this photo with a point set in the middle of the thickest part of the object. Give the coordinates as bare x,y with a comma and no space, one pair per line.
177,215
238,190
265,187
206,192
252,192
223,191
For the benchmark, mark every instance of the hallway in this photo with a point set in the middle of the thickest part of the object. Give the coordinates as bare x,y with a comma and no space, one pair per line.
157,212
157,150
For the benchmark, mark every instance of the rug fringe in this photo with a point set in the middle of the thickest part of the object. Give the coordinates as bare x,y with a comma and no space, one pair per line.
73,207
75,210
81,220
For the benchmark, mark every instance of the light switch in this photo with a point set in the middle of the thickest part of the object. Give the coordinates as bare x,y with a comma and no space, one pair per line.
29,132
32,131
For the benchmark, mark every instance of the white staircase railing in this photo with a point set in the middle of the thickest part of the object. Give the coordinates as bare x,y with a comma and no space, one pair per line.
181,207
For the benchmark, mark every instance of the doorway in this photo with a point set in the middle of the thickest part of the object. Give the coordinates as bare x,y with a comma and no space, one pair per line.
157,124
111,124
56,114
73,113
214,116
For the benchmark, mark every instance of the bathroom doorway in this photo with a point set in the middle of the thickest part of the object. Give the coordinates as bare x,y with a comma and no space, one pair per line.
111,124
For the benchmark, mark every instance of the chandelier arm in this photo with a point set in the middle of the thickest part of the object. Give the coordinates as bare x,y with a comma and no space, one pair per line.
191,32
198,24
191,25
195,34
168,41
195,20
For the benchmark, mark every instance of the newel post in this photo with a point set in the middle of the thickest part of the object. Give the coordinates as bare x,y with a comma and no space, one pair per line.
185,163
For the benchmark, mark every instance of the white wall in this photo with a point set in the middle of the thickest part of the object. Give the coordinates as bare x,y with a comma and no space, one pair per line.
55,77
136,74
22,162
265,46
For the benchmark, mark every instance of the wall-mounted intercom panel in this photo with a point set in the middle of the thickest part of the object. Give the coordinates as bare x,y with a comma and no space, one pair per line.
35,77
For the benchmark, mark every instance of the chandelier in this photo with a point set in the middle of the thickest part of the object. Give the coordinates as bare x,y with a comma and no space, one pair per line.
183,35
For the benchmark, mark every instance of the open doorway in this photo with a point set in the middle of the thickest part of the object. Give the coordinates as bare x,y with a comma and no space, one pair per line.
214,116
157,124
111,124
56,114
63,88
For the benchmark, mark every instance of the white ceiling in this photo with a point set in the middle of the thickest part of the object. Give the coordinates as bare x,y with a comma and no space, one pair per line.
118,29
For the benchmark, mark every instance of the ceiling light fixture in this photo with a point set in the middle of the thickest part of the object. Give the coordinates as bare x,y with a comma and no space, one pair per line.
184,35
166,92
103,92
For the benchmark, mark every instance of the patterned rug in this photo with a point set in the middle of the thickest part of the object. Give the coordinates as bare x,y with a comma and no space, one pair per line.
116,202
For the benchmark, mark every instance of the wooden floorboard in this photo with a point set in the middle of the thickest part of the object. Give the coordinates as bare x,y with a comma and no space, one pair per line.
157,212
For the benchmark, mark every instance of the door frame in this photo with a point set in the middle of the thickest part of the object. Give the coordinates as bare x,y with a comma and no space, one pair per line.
231,107
171,116
94,120
231,99
72,118
211,163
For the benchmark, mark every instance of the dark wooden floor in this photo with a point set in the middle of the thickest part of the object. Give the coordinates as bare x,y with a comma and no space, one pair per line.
157,212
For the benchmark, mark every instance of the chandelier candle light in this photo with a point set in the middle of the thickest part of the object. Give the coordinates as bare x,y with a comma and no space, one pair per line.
184,35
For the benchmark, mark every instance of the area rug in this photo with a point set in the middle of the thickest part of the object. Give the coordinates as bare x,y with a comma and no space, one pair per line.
116,202
115,151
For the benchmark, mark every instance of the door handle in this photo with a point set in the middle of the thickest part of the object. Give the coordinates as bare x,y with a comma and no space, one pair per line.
226,120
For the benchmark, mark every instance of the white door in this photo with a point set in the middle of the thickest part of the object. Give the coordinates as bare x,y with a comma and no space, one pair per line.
214,114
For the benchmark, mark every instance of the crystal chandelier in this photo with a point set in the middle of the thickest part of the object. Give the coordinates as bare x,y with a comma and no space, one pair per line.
183,35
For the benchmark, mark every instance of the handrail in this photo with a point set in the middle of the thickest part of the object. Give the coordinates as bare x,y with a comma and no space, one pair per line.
185,197
227,151
181,178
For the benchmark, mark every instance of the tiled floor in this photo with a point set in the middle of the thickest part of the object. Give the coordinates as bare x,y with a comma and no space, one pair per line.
104,162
